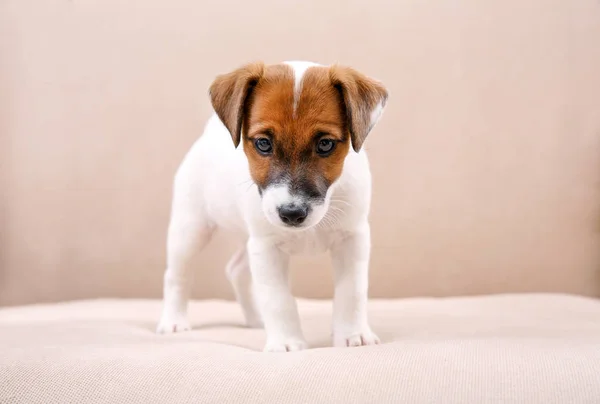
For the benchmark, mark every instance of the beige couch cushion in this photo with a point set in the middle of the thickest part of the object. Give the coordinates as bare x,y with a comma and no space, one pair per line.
500,349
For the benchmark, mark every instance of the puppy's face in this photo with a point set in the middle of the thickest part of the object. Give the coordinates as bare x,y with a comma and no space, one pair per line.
297,123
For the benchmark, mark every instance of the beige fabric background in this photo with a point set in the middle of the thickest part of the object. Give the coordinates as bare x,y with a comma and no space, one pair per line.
486,163
525,349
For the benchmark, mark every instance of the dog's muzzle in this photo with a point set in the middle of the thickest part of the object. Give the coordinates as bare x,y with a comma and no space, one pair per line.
293,214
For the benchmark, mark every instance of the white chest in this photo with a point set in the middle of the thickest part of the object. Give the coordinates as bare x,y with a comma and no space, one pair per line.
312,241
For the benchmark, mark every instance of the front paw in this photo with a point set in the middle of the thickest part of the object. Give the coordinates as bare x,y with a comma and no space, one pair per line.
285,345
359,338
173,323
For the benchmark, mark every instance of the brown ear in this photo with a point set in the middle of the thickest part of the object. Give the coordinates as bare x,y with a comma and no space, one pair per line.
364,100
228,94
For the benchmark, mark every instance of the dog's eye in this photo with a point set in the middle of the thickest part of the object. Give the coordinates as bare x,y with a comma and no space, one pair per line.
263,145
325,146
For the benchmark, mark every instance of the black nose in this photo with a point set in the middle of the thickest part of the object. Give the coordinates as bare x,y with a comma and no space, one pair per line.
293,215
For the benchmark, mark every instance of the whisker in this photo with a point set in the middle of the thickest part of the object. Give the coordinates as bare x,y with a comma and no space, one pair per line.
246,181
331,218
341,201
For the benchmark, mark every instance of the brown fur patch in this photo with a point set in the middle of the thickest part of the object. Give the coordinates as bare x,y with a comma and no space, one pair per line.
228,94
334,103
361,96
295,134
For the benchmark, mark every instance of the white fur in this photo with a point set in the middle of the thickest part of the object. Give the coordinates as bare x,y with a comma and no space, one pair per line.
376,114
300,68
278,195
213,189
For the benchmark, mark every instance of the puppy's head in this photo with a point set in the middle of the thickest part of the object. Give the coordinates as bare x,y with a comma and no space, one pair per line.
297,122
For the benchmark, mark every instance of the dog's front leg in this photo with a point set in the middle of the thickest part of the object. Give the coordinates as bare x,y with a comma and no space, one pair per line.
269,267
350,257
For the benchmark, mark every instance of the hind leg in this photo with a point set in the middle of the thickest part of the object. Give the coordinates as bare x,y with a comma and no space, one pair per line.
188,233
238,273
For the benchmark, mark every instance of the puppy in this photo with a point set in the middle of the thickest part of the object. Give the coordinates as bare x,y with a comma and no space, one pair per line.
281,164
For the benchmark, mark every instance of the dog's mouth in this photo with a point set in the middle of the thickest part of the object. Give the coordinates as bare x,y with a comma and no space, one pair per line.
291,211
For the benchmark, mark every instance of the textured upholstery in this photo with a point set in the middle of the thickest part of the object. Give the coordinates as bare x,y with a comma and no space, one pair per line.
530,349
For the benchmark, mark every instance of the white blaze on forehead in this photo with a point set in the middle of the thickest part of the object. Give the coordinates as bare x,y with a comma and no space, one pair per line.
299,68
